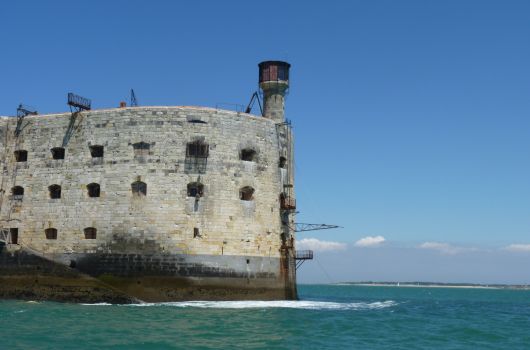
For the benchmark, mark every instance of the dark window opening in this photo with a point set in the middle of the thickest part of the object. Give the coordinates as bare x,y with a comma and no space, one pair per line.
96,151
51,233
17,191
249,155
90,233
195,189
93,190
197,121
196,157
196,232
246,193
21,156
13,235
55,191
283,162
58,153
139,188
197,149
141,148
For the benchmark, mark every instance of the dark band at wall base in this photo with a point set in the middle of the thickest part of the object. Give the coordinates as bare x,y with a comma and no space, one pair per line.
29,277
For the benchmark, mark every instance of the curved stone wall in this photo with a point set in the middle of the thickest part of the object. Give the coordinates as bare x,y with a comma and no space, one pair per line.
144,144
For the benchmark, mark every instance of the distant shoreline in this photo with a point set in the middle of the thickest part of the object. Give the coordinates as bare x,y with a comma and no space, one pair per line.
435,285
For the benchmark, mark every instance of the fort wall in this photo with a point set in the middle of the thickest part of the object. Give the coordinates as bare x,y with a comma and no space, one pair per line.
166,219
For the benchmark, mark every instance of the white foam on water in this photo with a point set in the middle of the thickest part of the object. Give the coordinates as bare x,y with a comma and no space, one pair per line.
288,304
97,304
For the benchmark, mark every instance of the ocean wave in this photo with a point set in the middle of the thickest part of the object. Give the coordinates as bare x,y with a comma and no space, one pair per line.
288,304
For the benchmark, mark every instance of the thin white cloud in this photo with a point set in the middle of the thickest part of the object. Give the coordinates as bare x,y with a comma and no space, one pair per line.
518,247
318,245
370,241
446,248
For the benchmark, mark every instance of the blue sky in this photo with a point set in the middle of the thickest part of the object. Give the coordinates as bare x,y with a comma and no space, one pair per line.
412,118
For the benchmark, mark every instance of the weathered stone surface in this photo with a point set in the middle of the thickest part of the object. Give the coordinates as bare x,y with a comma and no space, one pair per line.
158,227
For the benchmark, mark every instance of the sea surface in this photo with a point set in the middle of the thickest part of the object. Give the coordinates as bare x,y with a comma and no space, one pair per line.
326,317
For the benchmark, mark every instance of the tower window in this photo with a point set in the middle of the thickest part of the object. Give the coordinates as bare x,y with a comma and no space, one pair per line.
283,162
141,148
90,233
96,151
51,233
246,193
195,189
58,153
248,155
93,190
55,191
139,188
196,232
21,155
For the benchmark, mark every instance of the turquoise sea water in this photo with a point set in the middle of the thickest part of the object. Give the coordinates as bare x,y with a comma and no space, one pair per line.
326,317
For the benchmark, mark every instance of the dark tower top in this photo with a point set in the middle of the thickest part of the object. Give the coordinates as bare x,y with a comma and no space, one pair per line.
273,71
274,81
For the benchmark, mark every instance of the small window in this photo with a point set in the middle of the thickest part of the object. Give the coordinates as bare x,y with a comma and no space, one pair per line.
13,233
96,151
197,149
197,121
246,193
93,190
196,232
51,233
21,155
55,191
248,155
58,153
283,162
139,188
17,191
195,189
141,148
90,233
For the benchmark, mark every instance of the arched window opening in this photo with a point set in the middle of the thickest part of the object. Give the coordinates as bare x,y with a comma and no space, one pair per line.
58,153
96,151
90,233
195,189
93,190
21,155
139,188
141,148
17,192
246,193
248,155
283,162
55,191
51,233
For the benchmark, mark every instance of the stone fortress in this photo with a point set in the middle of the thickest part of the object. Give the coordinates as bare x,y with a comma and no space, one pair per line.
150,203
